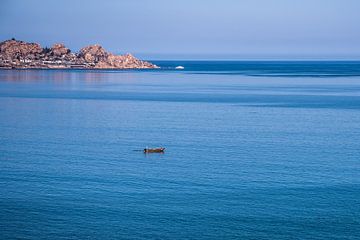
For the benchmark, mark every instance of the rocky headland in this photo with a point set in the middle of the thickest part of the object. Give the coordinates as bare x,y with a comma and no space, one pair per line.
19,54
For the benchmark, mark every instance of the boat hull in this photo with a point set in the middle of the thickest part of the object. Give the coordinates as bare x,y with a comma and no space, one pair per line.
154,150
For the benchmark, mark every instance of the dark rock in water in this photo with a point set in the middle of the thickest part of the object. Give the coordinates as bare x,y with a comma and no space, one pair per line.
20,54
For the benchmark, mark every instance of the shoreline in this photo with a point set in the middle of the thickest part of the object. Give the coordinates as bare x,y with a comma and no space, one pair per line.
90,69
15,54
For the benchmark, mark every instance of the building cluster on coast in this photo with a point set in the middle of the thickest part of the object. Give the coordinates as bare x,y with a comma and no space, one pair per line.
19,54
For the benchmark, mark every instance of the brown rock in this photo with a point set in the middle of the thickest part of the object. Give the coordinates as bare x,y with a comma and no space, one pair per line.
19,54
59,49
12,49
93,53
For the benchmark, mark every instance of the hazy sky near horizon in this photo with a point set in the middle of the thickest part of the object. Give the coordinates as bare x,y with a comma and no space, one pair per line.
155,29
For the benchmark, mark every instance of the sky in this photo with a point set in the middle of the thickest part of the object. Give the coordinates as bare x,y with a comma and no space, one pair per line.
191,29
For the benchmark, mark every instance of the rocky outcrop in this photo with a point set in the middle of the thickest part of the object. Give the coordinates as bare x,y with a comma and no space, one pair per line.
19,54
93,53
127,60
15,50
97,55
59,50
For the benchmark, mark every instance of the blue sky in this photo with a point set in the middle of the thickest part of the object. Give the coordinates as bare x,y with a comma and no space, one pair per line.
206,29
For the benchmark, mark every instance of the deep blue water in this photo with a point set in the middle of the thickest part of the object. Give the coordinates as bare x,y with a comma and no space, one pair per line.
254,150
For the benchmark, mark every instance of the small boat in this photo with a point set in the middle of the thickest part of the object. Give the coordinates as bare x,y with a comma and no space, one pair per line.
154,150
179,67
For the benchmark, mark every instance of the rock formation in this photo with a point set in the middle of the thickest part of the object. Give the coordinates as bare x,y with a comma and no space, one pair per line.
59,49
19,54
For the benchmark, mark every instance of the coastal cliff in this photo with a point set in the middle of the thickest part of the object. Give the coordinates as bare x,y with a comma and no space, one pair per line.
19,54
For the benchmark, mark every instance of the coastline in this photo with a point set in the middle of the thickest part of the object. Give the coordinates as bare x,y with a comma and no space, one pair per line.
75,68
16,54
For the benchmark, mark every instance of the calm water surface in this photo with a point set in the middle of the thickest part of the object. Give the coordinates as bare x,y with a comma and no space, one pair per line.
266,150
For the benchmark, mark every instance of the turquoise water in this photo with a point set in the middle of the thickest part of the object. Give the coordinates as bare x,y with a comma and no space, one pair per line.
254,150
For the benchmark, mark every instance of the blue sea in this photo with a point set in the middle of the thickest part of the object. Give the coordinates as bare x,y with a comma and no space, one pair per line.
254,150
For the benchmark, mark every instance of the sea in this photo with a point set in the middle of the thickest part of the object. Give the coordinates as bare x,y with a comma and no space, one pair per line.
254,150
